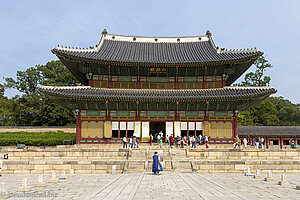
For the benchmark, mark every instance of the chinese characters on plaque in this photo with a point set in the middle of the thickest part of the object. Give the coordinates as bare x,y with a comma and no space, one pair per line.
158,70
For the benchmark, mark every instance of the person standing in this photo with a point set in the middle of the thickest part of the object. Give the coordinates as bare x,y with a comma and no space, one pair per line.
130,142
156,167
200,139
193,142
188,141
160,142
262,143
245,142
124,142
134,142
151,139
158,139
171,141
206,142
256,143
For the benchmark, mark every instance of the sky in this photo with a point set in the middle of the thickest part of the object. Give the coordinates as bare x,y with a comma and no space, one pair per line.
30,29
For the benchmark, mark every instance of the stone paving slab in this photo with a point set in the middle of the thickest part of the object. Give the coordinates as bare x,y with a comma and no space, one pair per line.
169,185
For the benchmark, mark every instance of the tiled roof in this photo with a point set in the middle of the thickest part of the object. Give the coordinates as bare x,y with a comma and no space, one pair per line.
156,50
156,94
269,130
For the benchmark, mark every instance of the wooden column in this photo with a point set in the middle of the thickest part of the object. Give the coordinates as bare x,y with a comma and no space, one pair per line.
138,84
78,128
137,114
204,82
267,142
223,80
176,86
176,113
280,142
187,129
119,131
110,85
126,129
234,126
91,82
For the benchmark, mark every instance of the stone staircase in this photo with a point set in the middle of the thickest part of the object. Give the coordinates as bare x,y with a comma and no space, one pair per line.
96,159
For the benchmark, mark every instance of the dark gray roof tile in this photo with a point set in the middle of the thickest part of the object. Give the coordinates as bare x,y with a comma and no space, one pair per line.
157,52
155,94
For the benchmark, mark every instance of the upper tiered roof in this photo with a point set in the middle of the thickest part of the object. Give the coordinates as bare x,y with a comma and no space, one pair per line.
156,50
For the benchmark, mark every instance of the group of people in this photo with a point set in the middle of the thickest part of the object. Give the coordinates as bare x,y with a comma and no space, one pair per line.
133,142
258,142
179,141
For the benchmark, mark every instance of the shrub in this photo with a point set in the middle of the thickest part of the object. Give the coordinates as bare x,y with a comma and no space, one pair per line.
35,138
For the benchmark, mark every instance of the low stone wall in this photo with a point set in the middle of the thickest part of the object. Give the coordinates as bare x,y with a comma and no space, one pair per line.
101,160
37,129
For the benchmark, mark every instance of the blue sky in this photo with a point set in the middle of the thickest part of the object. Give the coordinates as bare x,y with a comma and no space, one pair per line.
31,28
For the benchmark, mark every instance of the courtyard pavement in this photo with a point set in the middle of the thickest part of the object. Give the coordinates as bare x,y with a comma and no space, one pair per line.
169,185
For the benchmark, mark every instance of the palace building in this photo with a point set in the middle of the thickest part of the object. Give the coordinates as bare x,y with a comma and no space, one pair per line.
143,85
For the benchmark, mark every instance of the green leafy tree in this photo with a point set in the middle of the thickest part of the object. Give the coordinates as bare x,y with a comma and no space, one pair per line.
258,77
2,89
262,114
287,112
34,109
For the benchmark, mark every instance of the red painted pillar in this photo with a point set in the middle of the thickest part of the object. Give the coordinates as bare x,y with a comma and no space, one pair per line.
267,142
119,132
280,142
223,84
91,82
126,128
138,85
234,126
78,128
187,129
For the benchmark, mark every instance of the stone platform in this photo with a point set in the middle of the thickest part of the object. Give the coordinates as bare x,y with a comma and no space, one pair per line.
97,159
144,186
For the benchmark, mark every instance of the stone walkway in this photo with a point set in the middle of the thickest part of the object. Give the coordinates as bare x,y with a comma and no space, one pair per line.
169,185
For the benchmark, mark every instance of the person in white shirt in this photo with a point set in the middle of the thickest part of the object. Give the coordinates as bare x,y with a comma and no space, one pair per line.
158,139
200,139
206,142
262,141
130,142
191,141
245,143
124,142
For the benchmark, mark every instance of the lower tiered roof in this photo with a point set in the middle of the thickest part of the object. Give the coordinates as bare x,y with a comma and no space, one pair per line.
227,98
156,94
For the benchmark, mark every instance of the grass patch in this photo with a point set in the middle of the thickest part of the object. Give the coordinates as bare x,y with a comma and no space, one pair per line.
35,138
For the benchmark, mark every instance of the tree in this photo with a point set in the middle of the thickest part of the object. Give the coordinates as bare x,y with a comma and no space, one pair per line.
262,114
2,91
287,112
257,78
33,109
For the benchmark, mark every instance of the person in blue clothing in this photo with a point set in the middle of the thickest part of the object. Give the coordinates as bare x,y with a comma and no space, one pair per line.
156,168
